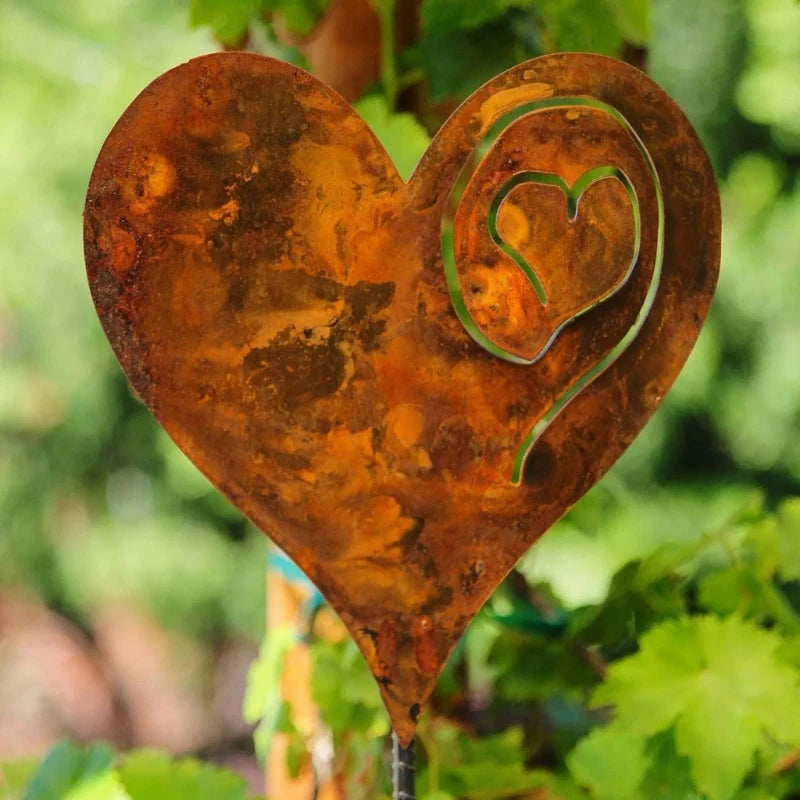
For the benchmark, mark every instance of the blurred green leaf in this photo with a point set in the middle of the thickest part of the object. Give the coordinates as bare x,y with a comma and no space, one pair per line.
299,16
440,16
729,591
632,18
101,787
14,776
767,91
669,776
69,772
188,586
228,19
631,607
345,691
581,25
696,52
151,775
403,138
456,62
529,668
472,769
789,539
68,769
610,762
263,703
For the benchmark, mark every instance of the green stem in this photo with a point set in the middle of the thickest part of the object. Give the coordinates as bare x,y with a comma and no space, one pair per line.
730,550
780,609
432,752
410,78
386,14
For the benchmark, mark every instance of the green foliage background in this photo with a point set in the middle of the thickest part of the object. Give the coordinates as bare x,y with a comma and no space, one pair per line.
648,646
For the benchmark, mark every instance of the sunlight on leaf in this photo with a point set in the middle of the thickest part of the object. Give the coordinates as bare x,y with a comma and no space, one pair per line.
721,685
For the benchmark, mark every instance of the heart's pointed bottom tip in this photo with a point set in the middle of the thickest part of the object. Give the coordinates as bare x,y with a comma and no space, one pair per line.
405,732
404,718
308,363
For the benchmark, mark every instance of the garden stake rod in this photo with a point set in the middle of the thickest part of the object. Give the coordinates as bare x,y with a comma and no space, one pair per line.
404,398
403,770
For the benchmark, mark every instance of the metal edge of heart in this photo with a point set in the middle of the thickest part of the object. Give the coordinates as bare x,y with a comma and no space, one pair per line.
633,373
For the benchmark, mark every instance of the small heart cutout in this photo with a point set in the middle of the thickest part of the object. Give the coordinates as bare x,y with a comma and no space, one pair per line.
572,272
402,400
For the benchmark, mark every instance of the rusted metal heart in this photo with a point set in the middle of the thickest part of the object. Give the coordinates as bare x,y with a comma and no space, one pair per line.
367,380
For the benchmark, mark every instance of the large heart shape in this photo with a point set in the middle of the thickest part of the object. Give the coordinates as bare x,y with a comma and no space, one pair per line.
315,333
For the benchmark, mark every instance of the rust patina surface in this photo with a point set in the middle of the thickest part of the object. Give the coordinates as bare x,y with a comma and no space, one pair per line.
377,372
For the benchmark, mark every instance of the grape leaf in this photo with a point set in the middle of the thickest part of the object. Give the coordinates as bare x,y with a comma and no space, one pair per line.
611,762
151,775
440,16
403,138
720,683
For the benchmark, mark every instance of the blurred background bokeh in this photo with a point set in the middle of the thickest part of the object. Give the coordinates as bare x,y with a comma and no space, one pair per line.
132,593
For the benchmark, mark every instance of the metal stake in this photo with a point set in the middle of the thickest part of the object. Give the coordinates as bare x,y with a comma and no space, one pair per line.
402,770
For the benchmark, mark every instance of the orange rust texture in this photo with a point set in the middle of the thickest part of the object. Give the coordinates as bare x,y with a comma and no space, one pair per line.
277,296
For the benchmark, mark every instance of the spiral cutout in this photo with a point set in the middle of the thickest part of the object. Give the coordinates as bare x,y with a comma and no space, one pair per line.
542,237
